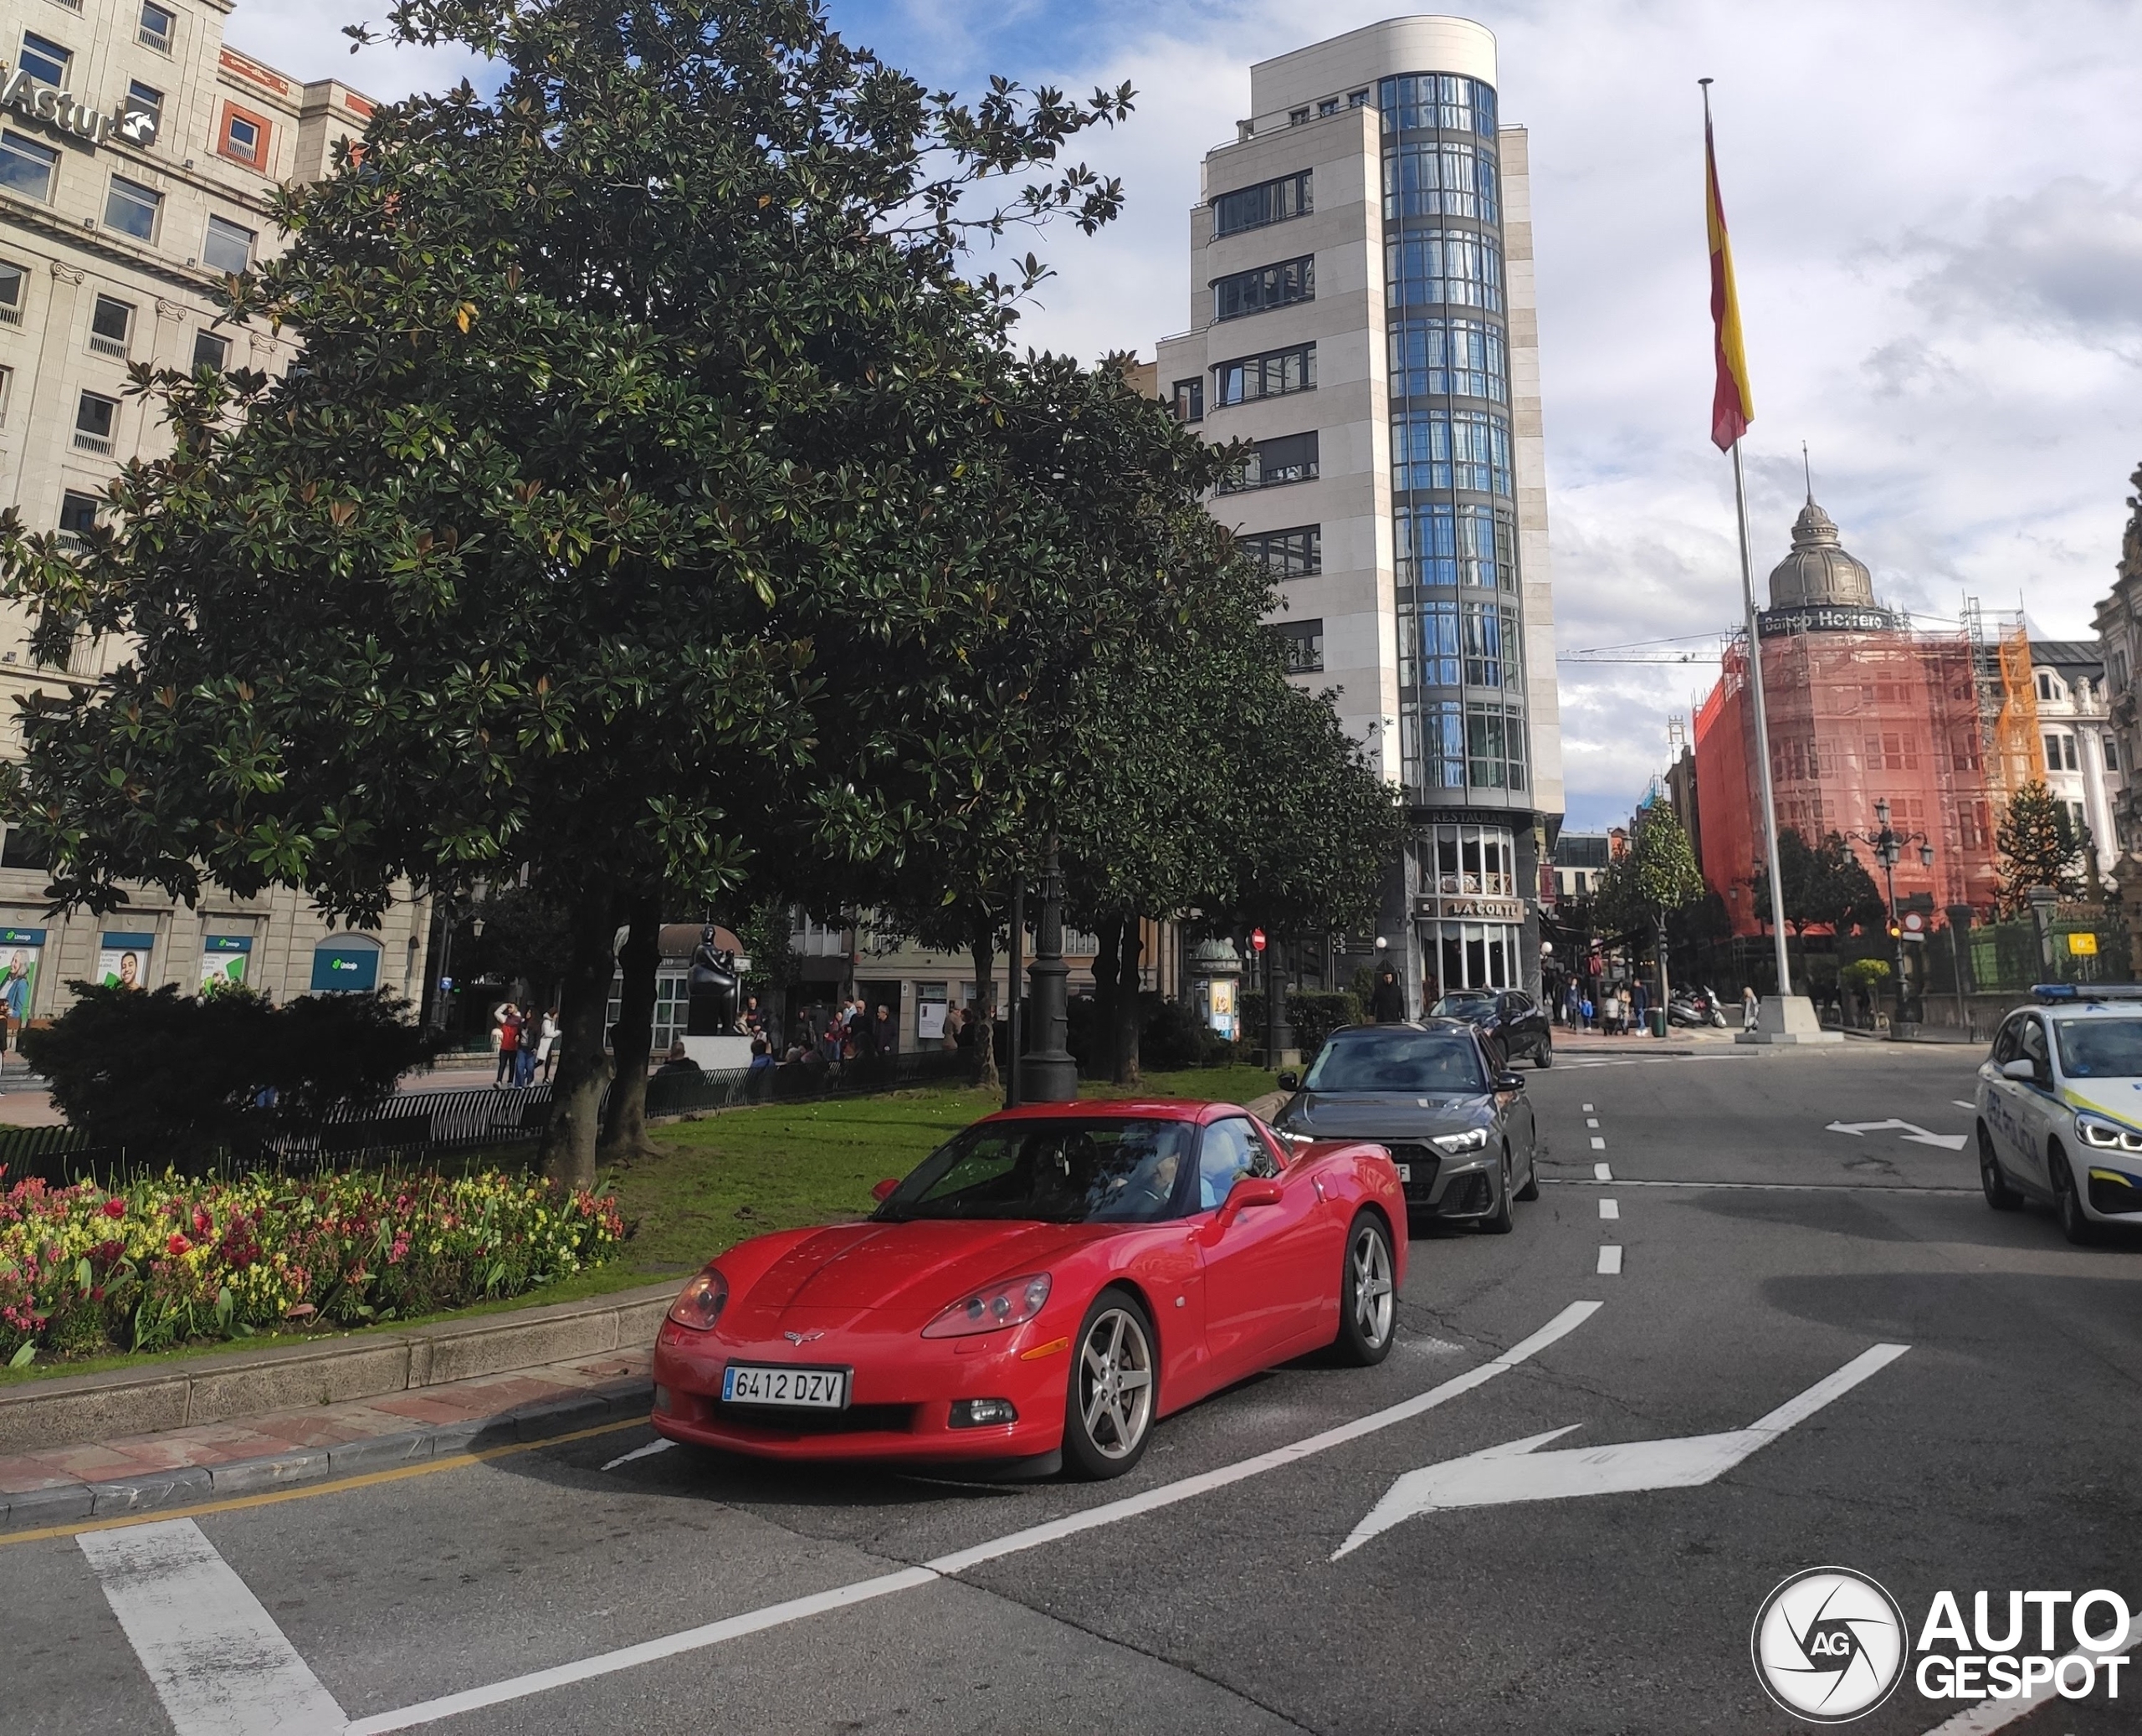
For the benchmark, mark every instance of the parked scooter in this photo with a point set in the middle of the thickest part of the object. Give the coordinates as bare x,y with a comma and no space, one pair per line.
1695,1007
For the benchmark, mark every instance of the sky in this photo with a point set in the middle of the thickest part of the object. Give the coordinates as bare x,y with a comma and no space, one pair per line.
1936,209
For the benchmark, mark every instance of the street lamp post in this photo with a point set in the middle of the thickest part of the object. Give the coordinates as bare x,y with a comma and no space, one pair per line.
1888,845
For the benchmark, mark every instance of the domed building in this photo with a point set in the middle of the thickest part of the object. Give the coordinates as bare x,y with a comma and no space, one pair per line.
1861,708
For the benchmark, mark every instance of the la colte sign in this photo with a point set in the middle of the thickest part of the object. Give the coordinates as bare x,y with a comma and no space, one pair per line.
69,113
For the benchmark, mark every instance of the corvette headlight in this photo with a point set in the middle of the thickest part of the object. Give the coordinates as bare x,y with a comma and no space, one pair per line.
699,1304
2104,1135
1012,1303
1453,1145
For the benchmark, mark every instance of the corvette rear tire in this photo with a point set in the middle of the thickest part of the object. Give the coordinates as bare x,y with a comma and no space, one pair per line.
1108,1414
1368,1294
1999,1195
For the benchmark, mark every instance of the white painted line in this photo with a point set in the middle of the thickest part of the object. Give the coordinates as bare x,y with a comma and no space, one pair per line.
1767,1187
1591,1121
1109,1512
660,1445
1600,1172
1587,1109
219,1662
1962,1104
1610,1209
1991,1715
1610,1259
1598,1144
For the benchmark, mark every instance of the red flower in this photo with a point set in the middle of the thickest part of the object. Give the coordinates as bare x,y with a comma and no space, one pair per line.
202,1223
115,1208
178,1244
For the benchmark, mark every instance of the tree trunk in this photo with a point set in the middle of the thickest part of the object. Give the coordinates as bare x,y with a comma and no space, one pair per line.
983,944
1126,1015
569,1136
1109,929
624,1120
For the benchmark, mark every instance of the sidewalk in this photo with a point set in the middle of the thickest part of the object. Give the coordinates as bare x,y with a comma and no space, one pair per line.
183,1466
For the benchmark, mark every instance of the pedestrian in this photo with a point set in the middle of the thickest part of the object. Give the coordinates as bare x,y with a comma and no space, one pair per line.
1609,1011
1572,1000
948,1031
679,1061
1749,1005
758,1077
1639,999
1585,1008
507,1020
887,1031
547,1043
1386,1000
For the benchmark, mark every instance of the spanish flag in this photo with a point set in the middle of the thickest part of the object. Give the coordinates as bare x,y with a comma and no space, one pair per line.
1733,406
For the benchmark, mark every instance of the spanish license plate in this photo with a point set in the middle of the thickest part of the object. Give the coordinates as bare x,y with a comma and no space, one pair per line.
1405,1172
791,1388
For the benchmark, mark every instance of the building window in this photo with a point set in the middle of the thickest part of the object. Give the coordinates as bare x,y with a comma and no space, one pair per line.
1301,645
1492,657
95,416
1252,292
1436,358
1291,458
27,168
1329,105
1453,266
1357,98
1431,745
2045,685
156,27
1440,543
1494,747
245,137
110,322
1190,400
78,514
1444,449
1271,374
2060,754
227,248
210,351
132,208
2116,668
1294,554
7,388
2112,753
1427,101
1440,179
12,279
44,60
20,850
1297,117
1427,645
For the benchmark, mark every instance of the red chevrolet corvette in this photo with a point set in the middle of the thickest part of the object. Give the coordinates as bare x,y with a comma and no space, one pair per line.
1046,1284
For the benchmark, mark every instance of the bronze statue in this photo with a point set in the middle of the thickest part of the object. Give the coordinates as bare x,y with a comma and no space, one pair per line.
712,987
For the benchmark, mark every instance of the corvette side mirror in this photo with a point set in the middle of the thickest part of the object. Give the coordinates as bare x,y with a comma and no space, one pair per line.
885,1189
1290,1082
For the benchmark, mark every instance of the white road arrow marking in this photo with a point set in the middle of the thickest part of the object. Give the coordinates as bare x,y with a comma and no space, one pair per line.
1513,1472
1911,1130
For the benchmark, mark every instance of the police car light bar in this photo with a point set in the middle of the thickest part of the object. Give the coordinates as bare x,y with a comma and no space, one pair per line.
2049,994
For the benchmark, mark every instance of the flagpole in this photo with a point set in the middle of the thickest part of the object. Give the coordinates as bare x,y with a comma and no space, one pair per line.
1762,726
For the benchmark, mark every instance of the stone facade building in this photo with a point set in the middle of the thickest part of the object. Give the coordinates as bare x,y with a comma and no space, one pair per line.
138,156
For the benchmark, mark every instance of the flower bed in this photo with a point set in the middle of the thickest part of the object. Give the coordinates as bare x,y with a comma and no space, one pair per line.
84,1271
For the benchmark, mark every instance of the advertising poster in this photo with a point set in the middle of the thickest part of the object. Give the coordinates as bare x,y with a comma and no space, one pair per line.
1222,1020
21,952
931,1003
123,962
224,961
346,967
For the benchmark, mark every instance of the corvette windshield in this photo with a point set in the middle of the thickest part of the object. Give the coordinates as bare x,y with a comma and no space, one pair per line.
1399,1060
1056,1172
2100,1048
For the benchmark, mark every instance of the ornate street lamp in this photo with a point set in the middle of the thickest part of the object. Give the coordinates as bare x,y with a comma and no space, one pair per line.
1888,845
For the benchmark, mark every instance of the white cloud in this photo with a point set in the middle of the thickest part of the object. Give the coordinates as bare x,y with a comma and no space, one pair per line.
303,38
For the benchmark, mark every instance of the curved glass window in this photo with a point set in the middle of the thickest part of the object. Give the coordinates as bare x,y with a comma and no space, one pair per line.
1446,449
1432,745
1427,100
1443,544
1447,179
1427,645
1494,747
1493,657
1455,266
1435,358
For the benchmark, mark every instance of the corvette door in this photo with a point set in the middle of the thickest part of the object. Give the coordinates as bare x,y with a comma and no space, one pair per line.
1260,1294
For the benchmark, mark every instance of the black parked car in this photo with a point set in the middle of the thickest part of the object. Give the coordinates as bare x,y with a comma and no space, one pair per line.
1452,1116
1511,1021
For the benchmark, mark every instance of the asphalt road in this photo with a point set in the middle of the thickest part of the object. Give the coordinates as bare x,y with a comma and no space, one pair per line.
1761,1252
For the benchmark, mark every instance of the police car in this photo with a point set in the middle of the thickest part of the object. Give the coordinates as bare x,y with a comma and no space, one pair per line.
2060,1106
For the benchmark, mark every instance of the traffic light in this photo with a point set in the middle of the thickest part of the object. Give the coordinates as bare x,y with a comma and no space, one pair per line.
1896,932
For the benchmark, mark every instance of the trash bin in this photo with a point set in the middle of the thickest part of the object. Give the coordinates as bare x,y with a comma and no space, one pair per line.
1657,1017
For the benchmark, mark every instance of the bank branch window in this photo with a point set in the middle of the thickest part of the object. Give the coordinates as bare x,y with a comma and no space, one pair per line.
28,168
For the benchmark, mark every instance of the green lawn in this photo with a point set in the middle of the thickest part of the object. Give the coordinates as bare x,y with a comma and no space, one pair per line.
721,1179
734,1175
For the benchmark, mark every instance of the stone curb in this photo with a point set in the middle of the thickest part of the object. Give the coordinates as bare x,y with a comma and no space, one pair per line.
189,1485
65,1411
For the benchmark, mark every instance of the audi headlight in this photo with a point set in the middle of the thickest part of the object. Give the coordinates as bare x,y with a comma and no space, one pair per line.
1012,1303
699,1304
2106,1135
1456,1144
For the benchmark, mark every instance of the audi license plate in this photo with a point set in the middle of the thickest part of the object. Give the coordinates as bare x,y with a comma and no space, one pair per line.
1405,1172
791,1389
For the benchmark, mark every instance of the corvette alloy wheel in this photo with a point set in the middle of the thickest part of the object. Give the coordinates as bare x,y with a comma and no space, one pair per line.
1368,1301
1111,1397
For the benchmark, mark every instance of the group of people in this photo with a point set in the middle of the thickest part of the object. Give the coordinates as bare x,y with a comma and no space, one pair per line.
1605,1007
526,1041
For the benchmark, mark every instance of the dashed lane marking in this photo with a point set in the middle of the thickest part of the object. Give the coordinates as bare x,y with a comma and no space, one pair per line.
1601,1172
1587,1109
1610,1210
1767,1187
1591,1121
1109,1512
1610,1259
1598,1144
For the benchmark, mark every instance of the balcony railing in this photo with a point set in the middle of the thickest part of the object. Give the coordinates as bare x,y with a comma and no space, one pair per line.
114,347
99,443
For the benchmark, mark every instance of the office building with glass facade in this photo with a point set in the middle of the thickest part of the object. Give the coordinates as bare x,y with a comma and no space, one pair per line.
1362,310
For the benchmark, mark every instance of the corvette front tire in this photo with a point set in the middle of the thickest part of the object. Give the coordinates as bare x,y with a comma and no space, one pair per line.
1114,1381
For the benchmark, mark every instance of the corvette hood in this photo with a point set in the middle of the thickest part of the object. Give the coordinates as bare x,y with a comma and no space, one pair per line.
1370,1115
895,1271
